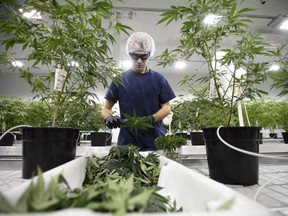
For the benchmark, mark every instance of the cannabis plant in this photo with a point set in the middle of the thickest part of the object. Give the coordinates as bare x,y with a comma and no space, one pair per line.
70,43
280,78
231,76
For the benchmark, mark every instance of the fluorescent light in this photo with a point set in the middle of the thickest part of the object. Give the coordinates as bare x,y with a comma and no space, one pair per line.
211,19
240,72
73,64
220,54
284,25
125,64
180,65
33,14
21,10
274,67
17,64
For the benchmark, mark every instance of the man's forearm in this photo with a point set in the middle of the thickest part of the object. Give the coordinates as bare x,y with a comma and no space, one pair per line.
162,113
106,113
107,109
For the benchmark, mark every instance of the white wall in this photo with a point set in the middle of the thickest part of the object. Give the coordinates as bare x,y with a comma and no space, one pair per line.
11,84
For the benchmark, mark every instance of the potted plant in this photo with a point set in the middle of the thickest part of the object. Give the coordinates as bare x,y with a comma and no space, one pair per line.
265,113
171,146
71,44
12,112
280,81
280,77
232,75
283,119
191,115
180,123
99,135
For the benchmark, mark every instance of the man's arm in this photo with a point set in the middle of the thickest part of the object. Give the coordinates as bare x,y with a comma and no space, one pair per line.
163,112
107,109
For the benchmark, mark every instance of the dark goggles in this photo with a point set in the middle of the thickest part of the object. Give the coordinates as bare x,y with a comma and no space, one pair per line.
141,56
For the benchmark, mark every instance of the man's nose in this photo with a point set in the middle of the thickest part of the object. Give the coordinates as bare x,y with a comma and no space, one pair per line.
139,60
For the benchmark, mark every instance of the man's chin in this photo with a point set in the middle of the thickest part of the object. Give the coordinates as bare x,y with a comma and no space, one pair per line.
138,69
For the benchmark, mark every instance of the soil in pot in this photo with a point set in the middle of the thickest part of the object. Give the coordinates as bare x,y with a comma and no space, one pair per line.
273,135
197,138
47,148
261,138
184,135
100,138
285,137
7,140
229,166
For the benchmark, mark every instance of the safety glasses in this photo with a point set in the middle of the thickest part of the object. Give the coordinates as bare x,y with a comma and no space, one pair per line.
141,56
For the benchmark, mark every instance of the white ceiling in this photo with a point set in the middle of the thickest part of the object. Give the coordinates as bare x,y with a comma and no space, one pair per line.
147,13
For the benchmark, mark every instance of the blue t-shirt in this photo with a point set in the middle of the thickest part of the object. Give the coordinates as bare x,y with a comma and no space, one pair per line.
144,94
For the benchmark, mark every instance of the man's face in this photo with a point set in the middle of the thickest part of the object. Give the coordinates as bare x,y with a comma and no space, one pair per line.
139,61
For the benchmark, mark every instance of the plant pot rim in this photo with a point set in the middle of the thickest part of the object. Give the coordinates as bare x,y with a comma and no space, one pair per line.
51,128
233,127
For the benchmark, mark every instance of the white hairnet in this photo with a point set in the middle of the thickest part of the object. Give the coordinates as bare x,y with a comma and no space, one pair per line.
140,42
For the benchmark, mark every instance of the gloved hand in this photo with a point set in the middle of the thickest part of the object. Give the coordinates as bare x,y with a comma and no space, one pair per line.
150,119
113,122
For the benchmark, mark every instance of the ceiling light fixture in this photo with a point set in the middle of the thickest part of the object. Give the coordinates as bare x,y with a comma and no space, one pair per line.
274,67
180,65
284,25
280,21
17,64
211,19
33,14
73,64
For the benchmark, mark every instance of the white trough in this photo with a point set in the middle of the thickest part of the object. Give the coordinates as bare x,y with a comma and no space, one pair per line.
191,190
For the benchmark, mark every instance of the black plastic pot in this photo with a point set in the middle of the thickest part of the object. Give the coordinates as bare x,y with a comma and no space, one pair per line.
100,138
197,138
261,138
273,135
47,148
7,140
230,166
182,134
17,135
285,137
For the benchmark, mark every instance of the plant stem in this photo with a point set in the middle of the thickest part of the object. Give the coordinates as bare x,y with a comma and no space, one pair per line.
213,70
56,109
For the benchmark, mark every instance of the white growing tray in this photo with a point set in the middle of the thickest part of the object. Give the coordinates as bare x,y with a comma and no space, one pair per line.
190,189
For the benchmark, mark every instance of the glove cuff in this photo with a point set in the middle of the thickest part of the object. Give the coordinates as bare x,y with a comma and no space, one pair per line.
152,119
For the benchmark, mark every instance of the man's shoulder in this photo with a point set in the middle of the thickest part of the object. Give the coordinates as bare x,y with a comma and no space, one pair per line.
156,73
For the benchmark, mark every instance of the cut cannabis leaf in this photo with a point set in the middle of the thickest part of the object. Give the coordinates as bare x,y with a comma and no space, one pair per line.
135,123
123,181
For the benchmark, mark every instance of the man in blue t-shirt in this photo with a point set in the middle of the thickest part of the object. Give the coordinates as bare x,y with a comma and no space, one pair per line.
143,91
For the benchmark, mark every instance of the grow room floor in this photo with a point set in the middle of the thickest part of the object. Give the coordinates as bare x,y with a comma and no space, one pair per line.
274,195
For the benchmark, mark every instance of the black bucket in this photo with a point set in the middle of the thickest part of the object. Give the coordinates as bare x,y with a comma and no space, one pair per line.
100,138
47,148
273,135
285,137
182,134
197,138
7,140
229,166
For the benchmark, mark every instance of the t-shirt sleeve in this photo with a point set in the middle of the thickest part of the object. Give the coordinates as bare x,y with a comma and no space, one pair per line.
166,92
112,93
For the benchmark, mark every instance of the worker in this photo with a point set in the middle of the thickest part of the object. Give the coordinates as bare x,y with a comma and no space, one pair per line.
143,91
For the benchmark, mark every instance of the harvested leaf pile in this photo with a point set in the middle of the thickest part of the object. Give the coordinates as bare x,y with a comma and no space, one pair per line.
123,181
